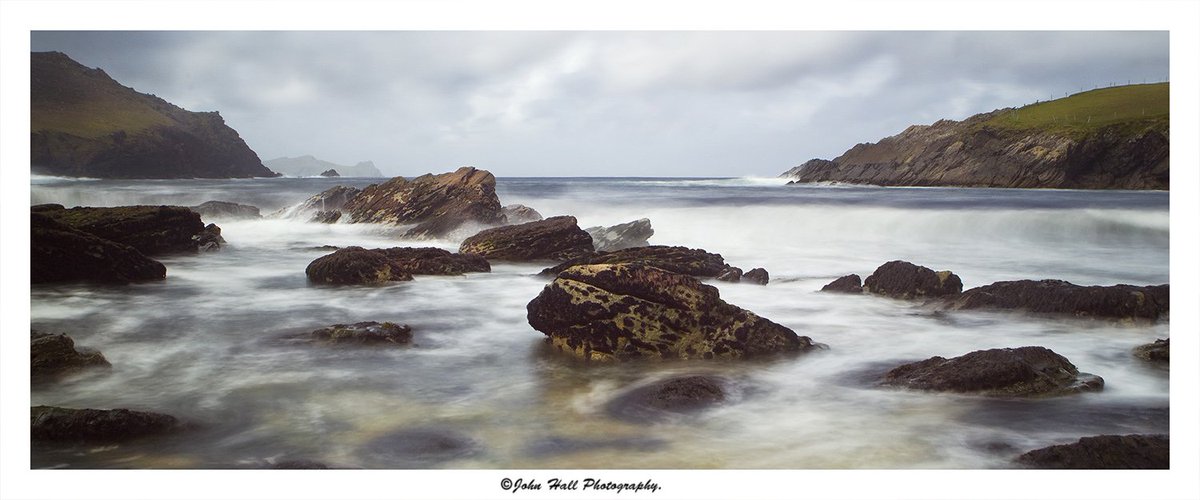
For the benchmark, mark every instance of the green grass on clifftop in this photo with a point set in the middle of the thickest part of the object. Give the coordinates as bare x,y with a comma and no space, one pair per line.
1132,107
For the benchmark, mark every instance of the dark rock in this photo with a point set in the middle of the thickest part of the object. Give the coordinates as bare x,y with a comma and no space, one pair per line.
59,253
152,230
226,210
1125,302
682,260
437,204
326,217
758,276
732,275
612,312
299,464
628,235
435,261
330,173
520,214
556,238
1104,452
50,423
355,266
209,239
904,280
418,448
52,356
1023,371
1159,350
849,283
364,333
679,395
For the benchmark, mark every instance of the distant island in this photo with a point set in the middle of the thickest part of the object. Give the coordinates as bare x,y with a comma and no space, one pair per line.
1111,138
85,124
308,166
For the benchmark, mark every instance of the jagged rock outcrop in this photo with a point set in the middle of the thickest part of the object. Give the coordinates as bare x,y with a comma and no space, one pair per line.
1022,371
224,210
520,214
1133,451
1124,302
1039,146
308,166
615,312
362,333
152,230
621,236
1159,350
60,253
437,204
849,283
905,280
326,217
682,260
54,424
54,355
557,238
359,266
85,124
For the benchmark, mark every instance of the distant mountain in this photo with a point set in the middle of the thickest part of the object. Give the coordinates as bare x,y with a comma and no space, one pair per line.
1113,138
85,124
308,166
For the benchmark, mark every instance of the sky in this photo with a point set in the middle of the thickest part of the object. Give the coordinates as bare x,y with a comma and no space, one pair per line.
605,103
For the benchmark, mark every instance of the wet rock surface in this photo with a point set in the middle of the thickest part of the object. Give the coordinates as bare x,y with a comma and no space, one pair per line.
1159,350
905,280
54,424
60,253
667,398
557,238
435,261
682,260
363,333
628,235
1021,371
849,283
355,266
610,312
437,204
225,210
1123,302
152,230
54,355
1104,452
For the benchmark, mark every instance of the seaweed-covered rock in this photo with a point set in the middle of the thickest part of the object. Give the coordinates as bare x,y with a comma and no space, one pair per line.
1023,371
364,333
556,238
226,210
905,280
437,204
682,260
1124,302
54,355
849,283
59,253
628,235
1159,350
678,395
1133,451
520,214
152,230
51,423
758,276
355,266
612,312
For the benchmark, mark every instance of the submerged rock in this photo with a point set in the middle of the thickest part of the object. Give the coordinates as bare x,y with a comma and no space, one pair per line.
417,448
1023,371
355,266
849,283
675,396
556,238
152,230
1159,350
608,312
55,355
682,260
1133,451
628,235
59,253
1125,302
364,333
437,204
758,276
520,214
905,280
226,210
51,423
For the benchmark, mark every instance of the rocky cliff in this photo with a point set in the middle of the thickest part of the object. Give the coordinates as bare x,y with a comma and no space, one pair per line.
85,124
1114,138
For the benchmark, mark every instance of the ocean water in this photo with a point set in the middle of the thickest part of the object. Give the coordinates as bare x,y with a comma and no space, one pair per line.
479,389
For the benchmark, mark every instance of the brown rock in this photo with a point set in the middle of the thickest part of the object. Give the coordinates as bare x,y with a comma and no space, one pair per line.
1159,350
904,280
1104,452
435,261
682,260
849,283
1023,371
732,275
50,423
758,276
556,238
152,230
326,217
1124,302
437,204
52,356
355,266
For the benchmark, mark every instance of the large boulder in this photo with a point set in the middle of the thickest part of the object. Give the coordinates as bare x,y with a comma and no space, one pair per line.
849,283
55,355
363,333
437,204
1023,371
905,280
1125,302
355,266
628,235
51,423
666,398
612,312
682,260
59,253
520,214
1159,350
226,210
152,230
1104,452
557,238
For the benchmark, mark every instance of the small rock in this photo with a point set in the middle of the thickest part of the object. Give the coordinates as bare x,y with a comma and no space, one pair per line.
732,275
364,333
758,276
621,236
557,238
50,423
850,283
1159,350
904,280
679,395
1023,371
1104,452
52,356
330,173
355,266
209,239
520,214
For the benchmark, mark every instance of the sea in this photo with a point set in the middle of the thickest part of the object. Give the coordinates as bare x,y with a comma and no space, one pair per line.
479,389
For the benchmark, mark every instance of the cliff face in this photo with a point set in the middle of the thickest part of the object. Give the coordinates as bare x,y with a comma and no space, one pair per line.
1059,144
85,124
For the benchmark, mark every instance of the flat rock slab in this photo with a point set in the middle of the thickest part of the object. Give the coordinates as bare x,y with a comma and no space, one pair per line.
1022,371
1123,302
50,423
682,260
1133,451
557,238
54,355
905,280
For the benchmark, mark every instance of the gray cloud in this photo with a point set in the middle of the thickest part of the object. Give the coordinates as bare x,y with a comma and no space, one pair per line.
601,103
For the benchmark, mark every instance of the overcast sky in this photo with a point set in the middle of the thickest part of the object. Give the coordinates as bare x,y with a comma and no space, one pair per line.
601,103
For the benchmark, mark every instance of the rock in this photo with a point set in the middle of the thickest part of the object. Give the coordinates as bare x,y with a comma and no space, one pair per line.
613,312
299,464
758,276
437,204
435,261
520,214
556,238
332,199
1124,302
52,356
732,275
355,266
330,173
682,260
364,333
1104,452
51,423
621,236
904,280
1023,371
152,230
59,253
327,217
418,448
209,239
678,395
849,283
1159,350
226,210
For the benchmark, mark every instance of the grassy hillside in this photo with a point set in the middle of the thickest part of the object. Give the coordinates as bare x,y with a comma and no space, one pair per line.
68,97
1132,107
